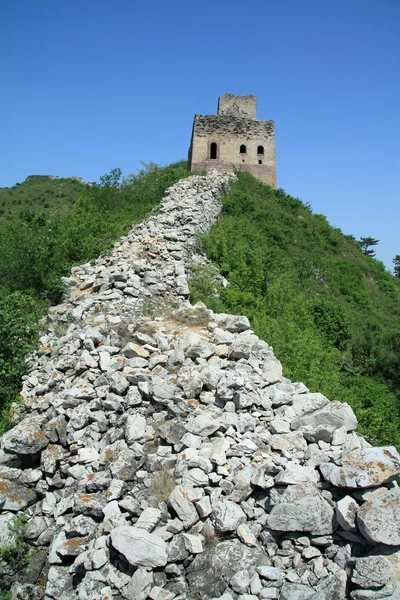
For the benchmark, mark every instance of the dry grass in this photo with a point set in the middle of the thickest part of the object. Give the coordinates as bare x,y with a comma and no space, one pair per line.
124,333
151,446
60,328
162,485
159,307
198,316
211,539
172,319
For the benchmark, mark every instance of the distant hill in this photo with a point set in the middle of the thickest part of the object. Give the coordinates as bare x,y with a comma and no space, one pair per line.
39,193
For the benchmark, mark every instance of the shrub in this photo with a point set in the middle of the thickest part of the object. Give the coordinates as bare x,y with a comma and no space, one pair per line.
17,548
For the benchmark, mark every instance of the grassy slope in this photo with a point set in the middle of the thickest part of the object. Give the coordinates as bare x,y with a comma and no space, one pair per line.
38,193
330,312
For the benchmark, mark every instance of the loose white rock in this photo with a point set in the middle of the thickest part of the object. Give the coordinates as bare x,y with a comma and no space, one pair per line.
346,512
228,516
135,428
379,518
140,547
183,506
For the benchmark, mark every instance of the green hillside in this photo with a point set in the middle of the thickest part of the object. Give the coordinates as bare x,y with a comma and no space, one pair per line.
38,248
39,193
330,312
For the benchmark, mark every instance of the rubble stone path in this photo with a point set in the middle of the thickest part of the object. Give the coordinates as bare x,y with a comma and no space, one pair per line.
163,455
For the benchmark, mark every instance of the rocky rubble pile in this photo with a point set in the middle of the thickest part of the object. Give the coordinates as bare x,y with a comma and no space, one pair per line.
163,455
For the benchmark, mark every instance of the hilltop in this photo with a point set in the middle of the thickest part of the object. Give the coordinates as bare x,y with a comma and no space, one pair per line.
39,193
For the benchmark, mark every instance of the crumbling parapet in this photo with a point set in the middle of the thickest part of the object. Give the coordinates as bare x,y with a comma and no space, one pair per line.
234,138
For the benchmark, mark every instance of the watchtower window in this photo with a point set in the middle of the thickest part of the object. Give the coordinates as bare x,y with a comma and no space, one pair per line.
260,162
213,150
260,150
242,149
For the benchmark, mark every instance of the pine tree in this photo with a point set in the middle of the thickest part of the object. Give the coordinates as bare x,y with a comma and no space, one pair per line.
365,243
396,262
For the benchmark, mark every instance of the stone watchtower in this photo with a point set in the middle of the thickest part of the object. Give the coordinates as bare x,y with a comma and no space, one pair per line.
234,137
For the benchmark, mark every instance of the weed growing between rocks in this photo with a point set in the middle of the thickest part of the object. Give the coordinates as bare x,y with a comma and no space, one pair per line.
211,538
198,316
162,484
16,548
205,281
152,445
16,555
124,333
162,308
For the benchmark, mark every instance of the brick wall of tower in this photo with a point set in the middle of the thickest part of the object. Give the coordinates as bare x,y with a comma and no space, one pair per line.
229,133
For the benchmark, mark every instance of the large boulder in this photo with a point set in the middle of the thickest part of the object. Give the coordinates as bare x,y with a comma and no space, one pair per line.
346,512
227,517
331,416
15,496
232,323
271,370
391,591
210,572
172,431
372,572
364,468
379,518
135,428
203,424
183,506
24,438
59,583
302,508
120,459
295,473
194,346
308,403
140,547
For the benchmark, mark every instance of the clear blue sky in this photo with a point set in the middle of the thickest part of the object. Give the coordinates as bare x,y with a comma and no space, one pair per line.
90,85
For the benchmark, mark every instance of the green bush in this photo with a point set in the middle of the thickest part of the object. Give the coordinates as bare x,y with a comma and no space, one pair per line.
17,548
18,335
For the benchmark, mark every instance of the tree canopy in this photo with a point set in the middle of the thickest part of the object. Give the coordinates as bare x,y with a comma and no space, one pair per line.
366,243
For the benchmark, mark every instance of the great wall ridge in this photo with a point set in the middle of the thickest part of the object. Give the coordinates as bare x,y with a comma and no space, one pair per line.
166,456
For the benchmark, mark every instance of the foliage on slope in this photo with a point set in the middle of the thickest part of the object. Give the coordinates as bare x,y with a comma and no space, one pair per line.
38,249
38,194
330,312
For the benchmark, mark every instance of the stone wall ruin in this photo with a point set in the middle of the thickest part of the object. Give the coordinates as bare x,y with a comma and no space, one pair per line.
163,454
